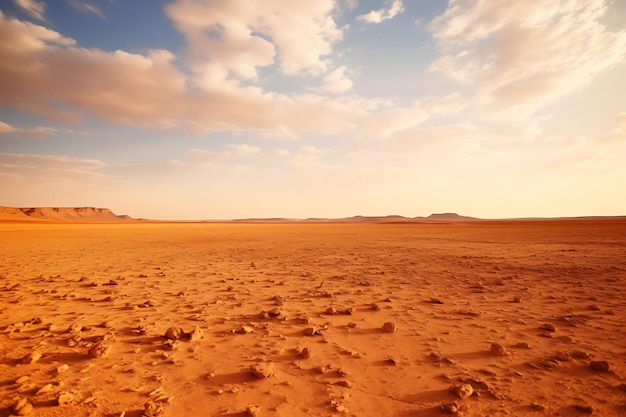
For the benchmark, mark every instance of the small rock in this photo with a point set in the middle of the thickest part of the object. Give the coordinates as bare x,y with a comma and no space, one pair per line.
331,311
601,366
173,333
522,345
594,307
263,370
587,409
462,391
22,407
65,399
562,356
32,358
434,300
374,307
245,330
549,327
537,406
196,334
305,353
152,409
101,349
579,354
63,368
22,379
498,350
517,299
450,408
389,327
275,312
253,411
45,389
311,331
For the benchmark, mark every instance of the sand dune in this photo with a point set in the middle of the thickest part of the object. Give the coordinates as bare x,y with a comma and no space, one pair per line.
157,319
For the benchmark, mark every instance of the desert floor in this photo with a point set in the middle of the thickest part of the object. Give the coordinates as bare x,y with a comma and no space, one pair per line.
95,301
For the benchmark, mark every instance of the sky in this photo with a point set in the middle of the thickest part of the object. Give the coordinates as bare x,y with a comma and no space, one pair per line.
222,109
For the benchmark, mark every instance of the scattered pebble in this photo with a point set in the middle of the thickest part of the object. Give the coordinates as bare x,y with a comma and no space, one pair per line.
32,358
450,408
522,345
537,406
173,333
305,353
152,409
389,327
462,391
498,350
65,398
587,409
263,370
253,411
549,327
22,407
601,366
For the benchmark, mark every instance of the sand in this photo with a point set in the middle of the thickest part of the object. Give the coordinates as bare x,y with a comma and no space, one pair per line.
472,319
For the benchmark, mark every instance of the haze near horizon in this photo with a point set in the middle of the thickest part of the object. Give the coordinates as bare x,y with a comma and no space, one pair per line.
189,109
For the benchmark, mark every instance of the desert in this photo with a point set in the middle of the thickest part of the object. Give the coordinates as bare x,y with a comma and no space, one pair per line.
470,318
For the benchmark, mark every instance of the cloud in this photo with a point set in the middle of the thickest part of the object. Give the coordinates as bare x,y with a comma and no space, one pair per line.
236,152
33,7
378,16
51,167
336,81
35,132
47,74
239,36
520,55
86,6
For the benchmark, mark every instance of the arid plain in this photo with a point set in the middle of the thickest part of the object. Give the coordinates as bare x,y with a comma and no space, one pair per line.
427,319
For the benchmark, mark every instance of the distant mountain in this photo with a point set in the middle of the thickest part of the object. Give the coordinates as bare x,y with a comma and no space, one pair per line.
63,214
450,217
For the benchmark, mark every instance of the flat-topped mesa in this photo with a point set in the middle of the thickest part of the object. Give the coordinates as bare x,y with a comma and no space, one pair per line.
60,214
449,217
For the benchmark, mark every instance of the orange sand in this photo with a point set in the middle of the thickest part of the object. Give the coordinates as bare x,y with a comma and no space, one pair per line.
448,288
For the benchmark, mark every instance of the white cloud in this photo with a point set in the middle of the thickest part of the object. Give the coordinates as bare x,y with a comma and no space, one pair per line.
520,55
86,6
336,81
34,8
378,16
35,132
240,36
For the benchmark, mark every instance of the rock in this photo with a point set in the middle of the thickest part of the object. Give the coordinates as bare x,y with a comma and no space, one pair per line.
517,299
450,408
22,407
32,358
65,398
549,327
389,327
196,334
498,350
587,409
22,379
594,307
462,391
562,357
173,333
305,353
374,307
348,311
63,368
331,311
45,389
245,330
522,345
537,406
311,331
274,313
152,409
101,349
253,411
434,300
601,366
579,354
263,370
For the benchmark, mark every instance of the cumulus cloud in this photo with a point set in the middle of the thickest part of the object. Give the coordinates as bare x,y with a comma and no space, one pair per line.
34,8
378,16
86,6
241,36
520,55
47,74
51,166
